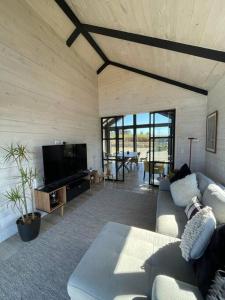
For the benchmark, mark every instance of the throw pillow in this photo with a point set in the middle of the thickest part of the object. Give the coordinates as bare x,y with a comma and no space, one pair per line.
217,289
197,234
184,190
214,197
212,260
183,172
193,207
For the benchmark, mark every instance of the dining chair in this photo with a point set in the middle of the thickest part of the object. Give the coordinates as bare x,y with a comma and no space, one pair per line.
135,160
148,167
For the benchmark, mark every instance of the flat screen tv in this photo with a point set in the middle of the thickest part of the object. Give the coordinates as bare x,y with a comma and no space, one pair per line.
62,161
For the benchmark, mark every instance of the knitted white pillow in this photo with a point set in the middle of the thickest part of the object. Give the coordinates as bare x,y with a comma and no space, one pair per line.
197,234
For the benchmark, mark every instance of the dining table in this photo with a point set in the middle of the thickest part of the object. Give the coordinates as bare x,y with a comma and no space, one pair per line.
125,158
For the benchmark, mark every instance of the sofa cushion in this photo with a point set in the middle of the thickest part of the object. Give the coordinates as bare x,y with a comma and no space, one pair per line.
197,234
184,190
214,197
170,219
183,172
217,289
193,207
126,260
203,182
168,288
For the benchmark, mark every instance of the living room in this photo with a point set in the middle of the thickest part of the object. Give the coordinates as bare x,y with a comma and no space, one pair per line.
65,67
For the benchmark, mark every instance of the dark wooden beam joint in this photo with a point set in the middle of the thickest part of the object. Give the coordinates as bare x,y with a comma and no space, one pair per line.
73,18
103,67
160,78
74,35
159,43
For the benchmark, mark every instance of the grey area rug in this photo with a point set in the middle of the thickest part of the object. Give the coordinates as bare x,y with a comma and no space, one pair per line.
41,269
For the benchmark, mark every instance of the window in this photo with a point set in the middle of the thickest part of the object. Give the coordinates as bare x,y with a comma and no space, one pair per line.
128,120
142,118
163,117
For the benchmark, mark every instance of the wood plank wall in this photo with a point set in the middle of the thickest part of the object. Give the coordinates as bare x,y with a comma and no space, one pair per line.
47,93
215,162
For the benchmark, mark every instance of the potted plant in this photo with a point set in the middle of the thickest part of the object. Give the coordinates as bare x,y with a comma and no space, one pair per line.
21,194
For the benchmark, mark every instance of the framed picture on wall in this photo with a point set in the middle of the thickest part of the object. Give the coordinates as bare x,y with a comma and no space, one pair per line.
211,132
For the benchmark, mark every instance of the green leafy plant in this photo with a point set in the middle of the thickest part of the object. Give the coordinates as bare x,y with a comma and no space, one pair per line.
19,195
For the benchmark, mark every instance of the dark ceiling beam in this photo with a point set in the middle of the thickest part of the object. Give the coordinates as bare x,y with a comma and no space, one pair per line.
160,78
73,18
74,35
102,67
84,29
159,43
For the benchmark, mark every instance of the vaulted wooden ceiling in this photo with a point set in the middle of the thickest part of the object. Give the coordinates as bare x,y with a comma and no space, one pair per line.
199,23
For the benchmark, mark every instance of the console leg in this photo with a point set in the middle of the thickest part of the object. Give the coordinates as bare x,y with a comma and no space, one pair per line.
61,210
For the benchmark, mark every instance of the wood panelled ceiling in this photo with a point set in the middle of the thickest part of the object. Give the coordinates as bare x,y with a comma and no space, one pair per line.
194,22
190,69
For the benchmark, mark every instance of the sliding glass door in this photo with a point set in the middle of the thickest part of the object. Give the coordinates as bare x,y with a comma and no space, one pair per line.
161,145
113,147
149,136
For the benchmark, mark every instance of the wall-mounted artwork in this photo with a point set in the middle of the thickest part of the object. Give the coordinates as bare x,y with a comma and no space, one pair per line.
211,132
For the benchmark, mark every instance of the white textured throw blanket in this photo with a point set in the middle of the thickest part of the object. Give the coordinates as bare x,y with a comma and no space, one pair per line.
197,234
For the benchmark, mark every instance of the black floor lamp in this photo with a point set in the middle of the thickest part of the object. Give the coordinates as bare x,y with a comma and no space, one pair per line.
190,151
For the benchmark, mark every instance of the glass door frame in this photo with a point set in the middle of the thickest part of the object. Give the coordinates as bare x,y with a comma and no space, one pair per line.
117,139
152,138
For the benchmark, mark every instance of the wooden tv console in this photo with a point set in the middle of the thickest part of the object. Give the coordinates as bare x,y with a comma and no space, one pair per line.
42,200
65,191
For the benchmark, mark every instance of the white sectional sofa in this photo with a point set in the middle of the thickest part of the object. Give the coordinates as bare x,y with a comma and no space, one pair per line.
125,262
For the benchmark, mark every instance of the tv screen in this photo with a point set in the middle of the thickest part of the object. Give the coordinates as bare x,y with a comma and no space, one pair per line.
61,161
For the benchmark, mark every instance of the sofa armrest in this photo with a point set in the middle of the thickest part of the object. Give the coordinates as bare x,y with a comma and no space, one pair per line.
168,288
164,184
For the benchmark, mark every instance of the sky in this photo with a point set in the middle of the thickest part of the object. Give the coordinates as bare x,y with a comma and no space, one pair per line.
143,118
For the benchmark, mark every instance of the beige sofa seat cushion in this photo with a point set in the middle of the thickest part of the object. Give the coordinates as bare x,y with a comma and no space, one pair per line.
122,263
170,219
168,288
